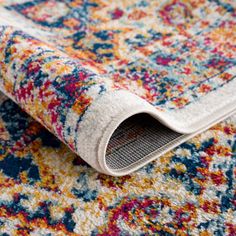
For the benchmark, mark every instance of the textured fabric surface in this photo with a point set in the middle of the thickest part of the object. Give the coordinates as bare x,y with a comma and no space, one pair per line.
80,68
74,72
136,138
48,190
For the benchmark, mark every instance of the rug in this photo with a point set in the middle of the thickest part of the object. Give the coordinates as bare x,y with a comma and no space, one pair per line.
124,85
83,68
45,189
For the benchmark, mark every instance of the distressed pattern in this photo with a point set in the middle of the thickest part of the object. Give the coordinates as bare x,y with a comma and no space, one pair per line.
46,189
171,53
170,60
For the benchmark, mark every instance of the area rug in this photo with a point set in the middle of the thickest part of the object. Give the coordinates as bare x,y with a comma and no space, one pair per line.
124,85
82,69
45,189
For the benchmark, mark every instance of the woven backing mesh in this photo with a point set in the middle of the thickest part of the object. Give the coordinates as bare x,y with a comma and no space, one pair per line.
135,139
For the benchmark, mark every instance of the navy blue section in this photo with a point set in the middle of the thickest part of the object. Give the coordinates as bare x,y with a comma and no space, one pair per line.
15,120
191,166
12,166
43,212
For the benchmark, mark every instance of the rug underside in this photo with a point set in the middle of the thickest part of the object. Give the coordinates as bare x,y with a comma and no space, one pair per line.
137,138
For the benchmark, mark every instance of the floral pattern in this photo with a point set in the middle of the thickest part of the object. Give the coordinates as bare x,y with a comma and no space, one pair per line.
48,190
171,53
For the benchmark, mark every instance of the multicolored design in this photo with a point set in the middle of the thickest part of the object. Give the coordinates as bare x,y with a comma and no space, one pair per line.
49,81
48,190
58,59
170,53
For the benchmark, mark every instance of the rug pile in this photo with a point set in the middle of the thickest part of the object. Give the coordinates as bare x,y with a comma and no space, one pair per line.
117,117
